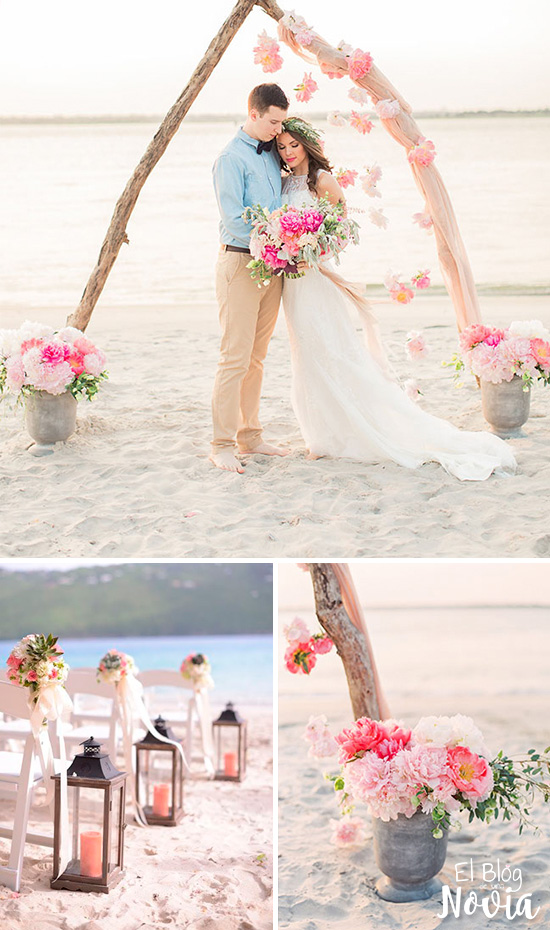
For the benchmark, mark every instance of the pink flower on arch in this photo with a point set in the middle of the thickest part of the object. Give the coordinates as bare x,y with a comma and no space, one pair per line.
359,64
329,71
424,221
321,644
421,279
266,53
305,90
335,118
416,345
300,658
400,293
359,95
360,122
387,109
422,154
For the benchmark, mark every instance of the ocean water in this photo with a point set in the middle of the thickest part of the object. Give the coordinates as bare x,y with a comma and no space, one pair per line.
59,184
242,666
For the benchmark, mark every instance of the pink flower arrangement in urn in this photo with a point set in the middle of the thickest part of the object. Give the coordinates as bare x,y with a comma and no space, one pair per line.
497,355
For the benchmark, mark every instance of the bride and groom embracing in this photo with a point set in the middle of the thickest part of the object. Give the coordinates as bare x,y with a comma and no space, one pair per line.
346,402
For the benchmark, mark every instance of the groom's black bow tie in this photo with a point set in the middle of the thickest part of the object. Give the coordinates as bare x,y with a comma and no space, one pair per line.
264,147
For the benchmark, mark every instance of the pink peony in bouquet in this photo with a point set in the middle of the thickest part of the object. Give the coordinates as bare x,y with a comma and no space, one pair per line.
496,355
37,358
441,767
289,235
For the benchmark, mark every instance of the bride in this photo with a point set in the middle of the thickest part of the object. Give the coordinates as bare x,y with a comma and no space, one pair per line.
346,403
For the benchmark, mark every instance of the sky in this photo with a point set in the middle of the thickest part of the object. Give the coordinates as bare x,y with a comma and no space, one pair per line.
415,582
117,56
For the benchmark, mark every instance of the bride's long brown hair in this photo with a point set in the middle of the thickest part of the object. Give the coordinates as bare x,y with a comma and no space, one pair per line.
316,158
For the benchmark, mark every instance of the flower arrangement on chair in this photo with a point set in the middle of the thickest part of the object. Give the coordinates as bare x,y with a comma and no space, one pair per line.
196,669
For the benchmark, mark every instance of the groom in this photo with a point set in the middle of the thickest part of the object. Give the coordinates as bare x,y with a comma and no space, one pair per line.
247,172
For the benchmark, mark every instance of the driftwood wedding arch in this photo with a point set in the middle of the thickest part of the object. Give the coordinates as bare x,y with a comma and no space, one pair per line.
453,259
339,613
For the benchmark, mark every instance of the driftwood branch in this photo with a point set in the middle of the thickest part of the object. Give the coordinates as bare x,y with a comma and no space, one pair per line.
349,641
116,233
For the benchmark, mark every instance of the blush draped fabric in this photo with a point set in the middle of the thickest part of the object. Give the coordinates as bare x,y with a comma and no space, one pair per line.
453,260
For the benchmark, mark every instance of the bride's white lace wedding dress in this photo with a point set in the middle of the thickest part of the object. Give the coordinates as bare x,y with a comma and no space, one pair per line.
346,406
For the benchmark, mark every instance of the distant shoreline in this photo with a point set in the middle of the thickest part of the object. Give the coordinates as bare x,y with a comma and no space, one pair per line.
236,117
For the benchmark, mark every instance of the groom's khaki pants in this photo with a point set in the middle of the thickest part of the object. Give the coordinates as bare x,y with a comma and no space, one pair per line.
247,317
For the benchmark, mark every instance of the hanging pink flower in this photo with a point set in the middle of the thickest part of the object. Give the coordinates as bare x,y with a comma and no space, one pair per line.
359,64
299,28
416,345
300,658
321,644
305,90
378,218
266,53
401,294
360,122
345,48
387,109
421,280
424,221
335,118
412,389
346,177
422,154
359,95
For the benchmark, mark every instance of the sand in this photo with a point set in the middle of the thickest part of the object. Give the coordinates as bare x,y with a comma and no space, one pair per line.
135,481
497,677
211,872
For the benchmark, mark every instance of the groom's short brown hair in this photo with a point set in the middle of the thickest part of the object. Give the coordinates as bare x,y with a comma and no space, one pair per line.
264,96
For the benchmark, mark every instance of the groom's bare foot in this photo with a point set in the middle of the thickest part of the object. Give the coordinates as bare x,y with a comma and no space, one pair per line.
264,448
226,461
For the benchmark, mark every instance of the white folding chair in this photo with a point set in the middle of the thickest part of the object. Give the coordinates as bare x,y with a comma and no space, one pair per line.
10,728
168,693
20,773
99,719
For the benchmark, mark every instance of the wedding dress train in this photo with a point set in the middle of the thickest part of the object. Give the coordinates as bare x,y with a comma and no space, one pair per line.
345,404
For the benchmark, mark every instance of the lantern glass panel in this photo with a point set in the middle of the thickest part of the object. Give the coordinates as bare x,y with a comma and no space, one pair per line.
86,809
227,741
116,832
155,790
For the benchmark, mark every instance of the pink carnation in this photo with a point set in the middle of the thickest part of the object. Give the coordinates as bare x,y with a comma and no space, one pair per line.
359,64
423,153
470,774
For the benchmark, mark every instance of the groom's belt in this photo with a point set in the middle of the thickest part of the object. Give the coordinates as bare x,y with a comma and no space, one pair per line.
235,248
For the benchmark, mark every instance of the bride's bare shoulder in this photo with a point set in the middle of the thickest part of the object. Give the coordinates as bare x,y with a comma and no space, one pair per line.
327,186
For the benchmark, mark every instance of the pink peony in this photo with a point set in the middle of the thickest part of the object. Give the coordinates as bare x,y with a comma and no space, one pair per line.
300,658
94,363
305,90
412,389
359,64
291,223
346,177
470,774
54,353
494,338
76,361
348,831
422,154
15,374
473,335
416,345
266,53
270,255
541,353
360,122
312,220
30,344
401,294
363,736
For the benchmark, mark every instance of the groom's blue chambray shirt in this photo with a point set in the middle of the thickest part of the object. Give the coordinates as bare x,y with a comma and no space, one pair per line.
242,178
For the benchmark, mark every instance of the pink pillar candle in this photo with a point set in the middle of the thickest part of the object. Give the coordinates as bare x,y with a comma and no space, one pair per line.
161,800
230,764
90,854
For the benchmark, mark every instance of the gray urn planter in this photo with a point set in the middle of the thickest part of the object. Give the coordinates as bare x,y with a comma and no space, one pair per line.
505,405
49,418
409,856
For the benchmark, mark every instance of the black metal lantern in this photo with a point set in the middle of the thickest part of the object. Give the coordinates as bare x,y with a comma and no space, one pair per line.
96,793
159,777
229,732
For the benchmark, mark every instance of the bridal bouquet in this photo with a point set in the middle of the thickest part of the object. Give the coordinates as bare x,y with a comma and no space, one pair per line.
441,767
496,355
114,666
36,662
196,669
289,235
37,358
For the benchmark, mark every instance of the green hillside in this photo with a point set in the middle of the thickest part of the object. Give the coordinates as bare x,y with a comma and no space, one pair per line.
138,600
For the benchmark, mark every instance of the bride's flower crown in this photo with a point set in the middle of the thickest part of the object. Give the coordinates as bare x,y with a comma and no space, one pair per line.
302,128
